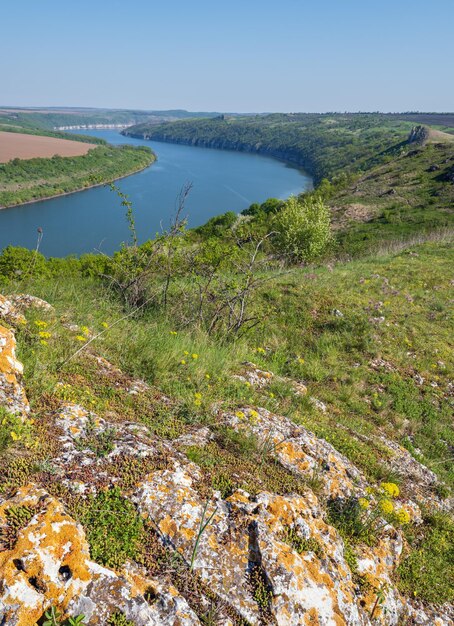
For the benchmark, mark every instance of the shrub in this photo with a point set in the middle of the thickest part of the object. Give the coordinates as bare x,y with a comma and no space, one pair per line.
303,229
16,262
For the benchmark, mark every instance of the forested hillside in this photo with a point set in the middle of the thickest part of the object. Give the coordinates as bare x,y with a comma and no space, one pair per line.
323,144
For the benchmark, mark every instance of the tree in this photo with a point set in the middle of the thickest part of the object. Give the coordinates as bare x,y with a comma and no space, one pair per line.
303,229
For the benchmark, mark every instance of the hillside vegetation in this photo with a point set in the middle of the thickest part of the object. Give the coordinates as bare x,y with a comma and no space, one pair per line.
379,185
240,424
322,144
35,179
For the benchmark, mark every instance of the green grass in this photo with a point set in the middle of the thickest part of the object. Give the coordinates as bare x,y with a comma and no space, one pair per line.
333,355
339,358
427,572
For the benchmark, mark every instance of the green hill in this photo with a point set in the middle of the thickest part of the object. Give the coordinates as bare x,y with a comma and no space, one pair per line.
224,424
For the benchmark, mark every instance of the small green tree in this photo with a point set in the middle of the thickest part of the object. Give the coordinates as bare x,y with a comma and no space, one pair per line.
303,229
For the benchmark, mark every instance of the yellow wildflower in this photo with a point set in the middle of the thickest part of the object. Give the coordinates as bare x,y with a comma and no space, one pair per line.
197,402
14,436
43,342
105,325
41,323
85,330
403,516
391,489
194,355
386,507
260,350
182,362
198,395
240,414
81,338
44,334
271,394
186,353
300,360
364,503
247,383
253,413
173,332
207,376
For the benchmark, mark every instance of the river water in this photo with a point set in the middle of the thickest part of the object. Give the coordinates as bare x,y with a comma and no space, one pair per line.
94,219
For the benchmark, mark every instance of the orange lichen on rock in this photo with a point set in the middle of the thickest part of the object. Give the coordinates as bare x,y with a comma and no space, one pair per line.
47,564
12,394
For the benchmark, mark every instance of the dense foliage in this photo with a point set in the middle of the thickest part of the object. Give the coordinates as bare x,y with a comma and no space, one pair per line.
33,179
323,144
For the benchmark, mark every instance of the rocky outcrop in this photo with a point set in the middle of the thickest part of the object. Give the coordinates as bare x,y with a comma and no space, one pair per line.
299,450
265,558
48,564
12,394
419,135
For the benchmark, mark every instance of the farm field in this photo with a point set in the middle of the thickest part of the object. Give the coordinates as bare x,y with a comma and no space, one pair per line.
26,146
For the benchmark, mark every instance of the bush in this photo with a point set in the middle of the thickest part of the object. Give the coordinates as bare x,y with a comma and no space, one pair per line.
303,229
16,262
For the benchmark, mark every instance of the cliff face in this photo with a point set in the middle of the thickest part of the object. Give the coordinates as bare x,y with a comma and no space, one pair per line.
237,558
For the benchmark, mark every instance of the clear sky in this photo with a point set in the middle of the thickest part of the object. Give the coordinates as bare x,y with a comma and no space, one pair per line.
250,55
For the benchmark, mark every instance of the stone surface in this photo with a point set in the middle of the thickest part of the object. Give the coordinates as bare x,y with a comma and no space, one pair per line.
268,558
299,450
12,394
49,565
9,312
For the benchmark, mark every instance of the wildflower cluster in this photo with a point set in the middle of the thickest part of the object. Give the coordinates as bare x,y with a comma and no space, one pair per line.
15,429
252,415
379,502
43,335
78,395
187,356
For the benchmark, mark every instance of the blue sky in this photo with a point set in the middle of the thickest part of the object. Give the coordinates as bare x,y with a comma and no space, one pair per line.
287,55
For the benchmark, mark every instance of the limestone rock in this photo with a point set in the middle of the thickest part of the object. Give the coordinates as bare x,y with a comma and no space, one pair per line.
25,301
300,451
49,565
12,394
9,312
243,555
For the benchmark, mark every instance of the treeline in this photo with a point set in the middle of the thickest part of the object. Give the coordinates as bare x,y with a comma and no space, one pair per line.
34,179
324,144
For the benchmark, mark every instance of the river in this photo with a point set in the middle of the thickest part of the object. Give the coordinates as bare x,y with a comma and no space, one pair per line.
94,220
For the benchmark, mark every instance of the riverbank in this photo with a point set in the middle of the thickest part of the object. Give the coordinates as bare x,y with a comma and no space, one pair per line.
225,144
82,222
33,180
70,193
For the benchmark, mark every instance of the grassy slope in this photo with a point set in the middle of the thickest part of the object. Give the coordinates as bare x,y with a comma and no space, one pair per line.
407,195
338,357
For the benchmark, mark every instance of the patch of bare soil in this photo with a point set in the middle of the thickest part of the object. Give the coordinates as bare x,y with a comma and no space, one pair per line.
23,146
